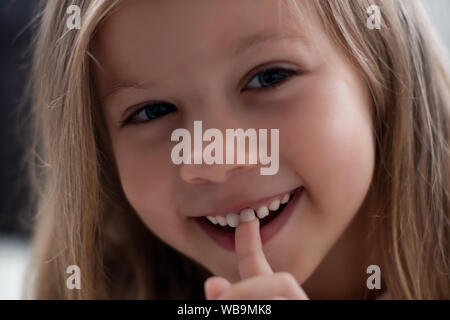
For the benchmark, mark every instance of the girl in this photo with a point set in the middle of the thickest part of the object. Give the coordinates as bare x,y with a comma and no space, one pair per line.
363,116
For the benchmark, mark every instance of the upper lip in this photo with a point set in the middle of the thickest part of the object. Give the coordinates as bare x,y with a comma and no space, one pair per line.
237,207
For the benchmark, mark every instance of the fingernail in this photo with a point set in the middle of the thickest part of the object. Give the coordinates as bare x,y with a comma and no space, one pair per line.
247,215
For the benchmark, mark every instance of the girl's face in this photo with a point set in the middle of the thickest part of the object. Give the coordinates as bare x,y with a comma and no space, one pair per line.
202,59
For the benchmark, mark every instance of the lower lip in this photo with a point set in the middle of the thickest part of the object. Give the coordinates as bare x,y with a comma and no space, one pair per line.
268,231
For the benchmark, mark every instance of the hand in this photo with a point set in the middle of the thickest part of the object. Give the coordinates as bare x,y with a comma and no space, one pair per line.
258,281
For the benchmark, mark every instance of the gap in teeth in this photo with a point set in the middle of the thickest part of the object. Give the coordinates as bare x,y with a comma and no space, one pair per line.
248,214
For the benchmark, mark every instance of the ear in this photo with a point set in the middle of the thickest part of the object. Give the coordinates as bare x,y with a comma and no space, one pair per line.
215,286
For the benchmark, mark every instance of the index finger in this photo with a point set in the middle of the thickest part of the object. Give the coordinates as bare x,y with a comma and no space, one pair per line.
249,252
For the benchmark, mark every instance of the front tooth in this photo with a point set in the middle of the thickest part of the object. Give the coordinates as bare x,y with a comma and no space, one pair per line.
247,214
222,220
212,219
233,219
262,212
285,199
274,205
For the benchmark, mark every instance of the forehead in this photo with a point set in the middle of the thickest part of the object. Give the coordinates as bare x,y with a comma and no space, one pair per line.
151,35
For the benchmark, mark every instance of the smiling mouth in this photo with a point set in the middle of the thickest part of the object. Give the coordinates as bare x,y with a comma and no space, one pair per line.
265,214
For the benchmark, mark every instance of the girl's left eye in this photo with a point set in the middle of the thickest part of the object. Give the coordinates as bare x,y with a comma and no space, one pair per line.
270,78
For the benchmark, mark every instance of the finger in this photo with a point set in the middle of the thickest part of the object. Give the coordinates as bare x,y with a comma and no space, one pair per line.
249,252
278,298
215,286
281,284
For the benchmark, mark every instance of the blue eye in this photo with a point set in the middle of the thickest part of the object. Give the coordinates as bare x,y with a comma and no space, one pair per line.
270,78
150,112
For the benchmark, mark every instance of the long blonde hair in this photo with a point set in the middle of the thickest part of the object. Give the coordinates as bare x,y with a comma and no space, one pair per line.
84,219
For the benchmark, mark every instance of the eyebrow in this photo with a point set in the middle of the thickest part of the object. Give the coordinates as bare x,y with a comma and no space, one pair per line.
263,37
126,84
242,45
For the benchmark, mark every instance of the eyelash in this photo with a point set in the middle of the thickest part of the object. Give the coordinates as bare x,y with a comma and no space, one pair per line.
288,73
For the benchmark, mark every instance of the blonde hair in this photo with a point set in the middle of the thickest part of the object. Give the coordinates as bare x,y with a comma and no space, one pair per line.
84,219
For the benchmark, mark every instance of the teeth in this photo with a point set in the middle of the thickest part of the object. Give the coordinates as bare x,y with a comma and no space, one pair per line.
247,214
212,219
222,221
262,212
233,219
274,205
285,199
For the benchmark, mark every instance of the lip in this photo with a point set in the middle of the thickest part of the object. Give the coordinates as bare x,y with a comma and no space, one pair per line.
247,204
268,231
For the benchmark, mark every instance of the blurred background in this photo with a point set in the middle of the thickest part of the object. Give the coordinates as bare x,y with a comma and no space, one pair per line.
15,219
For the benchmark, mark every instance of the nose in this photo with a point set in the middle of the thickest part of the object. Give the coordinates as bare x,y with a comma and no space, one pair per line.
200,171
214,173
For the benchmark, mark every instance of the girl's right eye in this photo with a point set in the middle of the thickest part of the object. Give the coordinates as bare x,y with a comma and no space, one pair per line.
149,112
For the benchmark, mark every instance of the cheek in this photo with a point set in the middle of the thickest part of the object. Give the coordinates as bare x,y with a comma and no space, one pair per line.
334,151
145,177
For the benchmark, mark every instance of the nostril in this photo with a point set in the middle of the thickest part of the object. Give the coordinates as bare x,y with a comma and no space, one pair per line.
204,173
238,169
